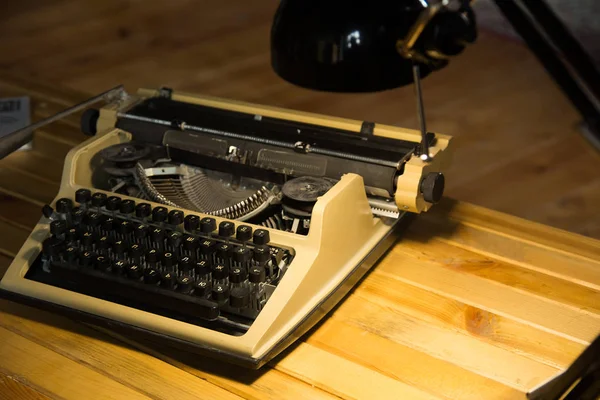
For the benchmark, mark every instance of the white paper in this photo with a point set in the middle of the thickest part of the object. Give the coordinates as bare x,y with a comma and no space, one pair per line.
15,113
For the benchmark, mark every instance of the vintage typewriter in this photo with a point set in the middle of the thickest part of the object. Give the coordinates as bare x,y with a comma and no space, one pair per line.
224,227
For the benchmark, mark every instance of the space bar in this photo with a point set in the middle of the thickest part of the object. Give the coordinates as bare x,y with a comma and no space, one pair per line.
96,283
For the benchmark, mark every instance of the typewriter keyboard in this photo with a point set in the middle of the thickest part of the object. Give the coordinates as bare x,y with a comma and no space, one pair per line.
162,261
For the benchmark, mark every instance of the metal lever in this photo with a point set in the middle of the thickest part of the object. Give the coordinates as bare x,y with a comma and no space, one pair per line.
18,138
425,156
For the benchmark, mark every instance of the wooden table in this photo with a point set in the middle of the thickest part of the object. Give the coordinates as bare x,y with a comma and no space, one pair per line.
470,304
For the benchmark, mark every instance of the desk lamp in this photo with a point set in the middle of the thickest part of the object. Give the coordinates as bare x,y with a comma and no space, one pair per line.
367,46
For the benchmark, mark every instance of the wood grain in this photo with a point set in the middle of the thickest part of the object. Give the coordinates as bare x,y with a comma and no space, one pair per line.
11,388
58,374
439,377
518,146
87,347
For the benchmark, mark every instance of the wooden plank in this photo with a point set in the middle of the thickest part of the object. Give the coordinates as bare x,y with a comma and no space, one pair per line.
4,263
12,238
402,363
472,320
557,318
46,94
11,388
512,240
104,354
314,366
41,165
51,145
540,284
449,212
567,174
57,374
576,207
465,351
61,130
125,38
27,185
18,211
250,384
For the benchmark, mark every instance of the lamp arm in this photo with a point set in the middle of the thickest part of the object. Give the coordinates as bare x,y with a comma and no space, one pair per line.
405,46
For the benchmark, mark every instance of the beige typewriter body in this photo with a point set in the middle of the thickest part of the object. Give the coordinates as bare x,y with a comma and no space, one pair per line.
344,241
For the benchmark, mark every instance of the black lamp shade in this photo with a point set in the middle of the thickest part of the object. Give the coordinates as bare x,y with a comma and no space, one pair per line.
343,46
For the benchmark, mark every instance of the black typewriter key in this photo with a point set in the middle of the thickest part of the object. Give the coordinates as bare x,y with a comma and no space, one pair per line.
185,265
113,203
119,248
220,272
191,223
118,267
226,229
58,227
242,255
202,288
168,280
141,231
64,205
257,274
98,199
152,256
71,254
143,210
127,207
223,251
102,263
83,196
261,236
174,239
239,297
47,211
202,268
243,233
151,276
190,243
87,239
159,214
77,215
220,293
185,284
103,244
52,246
72,235
208,225
237,275
134,271
168,260
136,251
92,219
87,259
207,246
262,254
125,227
107,224
157,235
175,217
